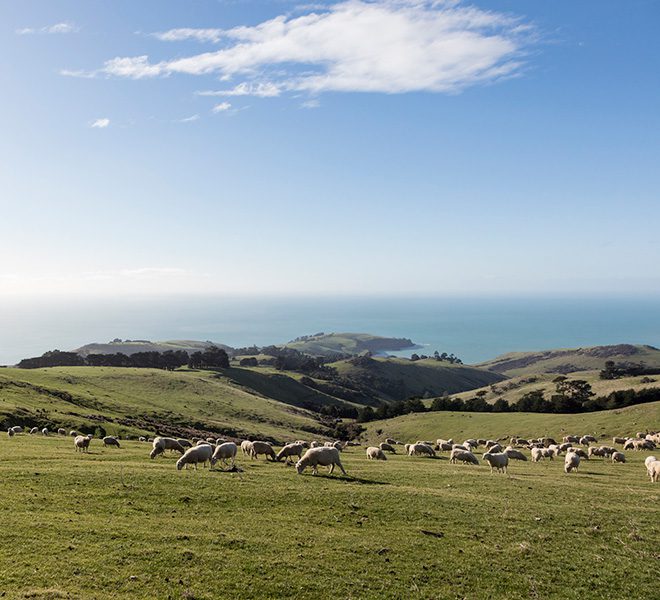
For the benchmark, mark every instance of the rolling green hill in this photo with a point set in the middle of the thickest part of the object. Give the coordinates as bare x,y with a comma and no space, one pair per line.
132,346
323,344
142,401
563,361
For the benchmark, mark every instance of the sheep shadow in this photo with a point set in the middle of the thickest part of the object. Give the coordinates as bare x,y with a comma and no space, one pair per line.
349,479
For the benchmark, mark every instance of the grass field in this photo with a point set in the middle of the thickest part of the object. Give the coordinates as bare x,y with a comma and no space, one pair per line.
116,524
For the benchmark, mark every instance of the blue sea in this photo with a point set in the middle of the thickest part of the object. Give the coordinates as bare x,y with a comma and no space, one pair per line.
474,329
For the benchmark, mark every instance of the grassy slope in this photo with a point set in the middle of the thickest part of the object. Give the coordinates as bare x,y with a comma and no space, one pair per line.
461,425
422,376
178,397
582,359
116,524
518,386
349,343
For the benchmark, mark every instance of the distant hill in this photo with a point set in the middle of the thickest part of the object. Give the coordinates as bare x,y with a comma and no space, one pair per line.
129,347
565,361
324,344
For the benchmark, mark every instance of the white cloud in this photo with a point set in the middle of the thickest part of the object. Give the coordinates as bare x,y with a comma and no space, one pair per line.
100,123
313,103
56,28
187,33
387,46
222,107
189,119
261,90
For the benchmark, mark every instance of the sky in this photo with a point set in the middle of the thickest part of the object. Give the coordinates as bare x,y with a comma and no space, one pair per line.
352,147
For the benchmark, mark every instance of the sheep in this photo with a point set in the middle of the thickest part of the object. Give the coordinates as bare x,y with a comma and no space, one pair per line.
219,441
490,443
618,457
390,441
585,440
374,453
421,449
574,439
315,444
406,447
580,452
339,445
495,448
571,462
329,444
481,441
593,451
10,432
160,444
608,450
514,454
203,442
81,443
639,445
461,447
548,441
34,430
653,470
648,461
444,446
303,443
17,429
497,460
386,447
44,431
223,453
326,457
618,440
184,443
565,446
548,453
537,454
290,450
472,442
61,431
258,448
193,456
73,433
142,439
245,447
425,442
463,456
110,440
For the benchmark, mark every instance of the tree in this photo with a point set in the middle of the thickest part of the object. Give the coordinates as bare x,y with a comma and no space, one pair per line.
575,389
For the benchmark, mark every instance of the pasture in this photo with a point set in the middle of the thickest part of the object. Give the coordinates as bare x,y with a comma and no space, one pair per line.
113,523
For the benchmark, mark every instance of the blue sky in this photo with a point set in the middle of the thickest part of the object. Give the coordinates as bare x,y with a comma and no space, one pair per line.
499,147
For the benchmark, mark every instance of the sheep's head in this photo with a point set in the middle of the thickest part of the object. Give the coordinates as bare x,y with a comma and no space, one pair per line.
179,465
300,466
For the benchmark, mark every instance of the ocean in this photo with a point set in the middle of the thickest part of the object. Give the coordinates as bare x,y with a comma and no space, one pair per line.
474,329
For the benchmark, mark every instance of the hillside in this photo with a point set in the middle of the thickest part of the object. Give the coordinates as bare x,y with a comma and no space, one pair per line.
142,401
399,378
461,425
323,344
563,361
129,347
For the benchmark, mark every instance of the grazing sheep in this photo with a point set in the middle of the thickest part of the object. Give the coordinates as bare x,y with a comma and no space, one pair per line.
81,443
329,444
648,461
495,448
565,446
390,441
315,444
406,447
490,443
184,442
548,441
324,456
61,431
574,439
497,460
548,453
618,440
223,453
303,443
585,440
374,453
464,456
160,444
290,450
580,452
514,454
421,449
461,447
246,446
110,440
618,457
339,445
44,431
571,462
386,447
142,439
17,429
444,446
425,442
638,444
203,442
653,470
258,448
593,451
193,456
34,430
537,454
73,433
472,443
10,432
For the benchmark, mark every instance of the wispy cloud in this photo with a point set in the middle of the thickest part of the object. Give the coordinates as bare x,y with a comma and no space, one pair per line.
312,103
100,123
386,46
189,119
56,28
222,107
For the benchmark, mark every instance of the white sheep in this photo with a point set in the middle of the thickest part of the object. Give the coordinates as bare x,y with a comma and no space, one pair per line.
160,444
421,449
10,432
648,461
537,454
387,447
81,443
44,431
17,429
497,460
390,441
514,454
110,440
303,443
184,442
571,462
574,439
618,440
34,430
495,448
258,448
73,433
246,446
61,431
374,453
142,439
290,450
193,456
324,456
464,456
618,457
225,452
653,470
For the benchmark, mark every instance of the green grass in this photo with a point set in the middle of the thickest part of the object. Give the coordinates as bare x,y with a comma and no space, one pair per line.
141,398
347,343
115,524
462,425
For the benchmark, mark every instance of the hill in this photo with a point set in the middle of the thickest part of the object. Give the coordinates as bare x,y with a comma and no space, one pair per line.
129,347
322,344
563,361
143,401
399,378
461,425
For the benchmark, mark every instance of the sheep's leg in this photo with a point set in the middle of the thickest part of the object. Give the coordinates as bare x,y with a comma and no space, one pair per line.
332,468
